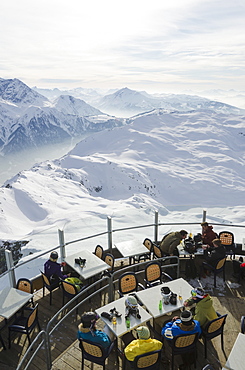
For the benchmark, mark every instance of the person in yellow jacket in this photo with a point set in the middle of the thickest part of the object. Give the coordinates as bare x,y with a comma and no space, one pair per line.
142,345
203,306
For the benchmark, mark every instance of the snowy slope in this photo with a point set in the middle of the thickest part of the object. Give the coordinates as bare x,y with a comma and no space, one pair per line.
159,161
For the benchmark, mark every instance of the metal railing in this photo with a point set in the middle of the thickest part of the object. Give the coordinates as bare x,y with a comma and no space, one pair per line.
109,287
110,231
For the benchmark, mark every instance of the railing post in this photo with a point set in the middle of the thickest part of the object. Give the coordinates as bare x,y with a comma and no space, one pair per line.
47,347
204,214
10,265
109,228
110,289
62,245
156,227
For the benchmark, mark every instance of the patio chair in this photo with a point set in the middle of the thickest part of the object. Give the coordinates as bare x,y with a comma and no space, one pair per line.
94,352
99,251
47,284
154,274
110,260
69,290
148,361
128,283
157,253
145,256
25,324
182,345
227,240
26,286
212,330
217,269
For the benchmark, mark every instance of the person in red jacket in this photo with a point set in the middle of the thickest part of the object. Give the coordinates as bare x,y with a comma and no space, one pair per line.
208,235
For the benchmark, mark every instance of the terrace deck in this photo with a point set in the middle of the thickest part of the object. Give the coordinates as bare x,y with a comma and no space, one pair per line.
67,355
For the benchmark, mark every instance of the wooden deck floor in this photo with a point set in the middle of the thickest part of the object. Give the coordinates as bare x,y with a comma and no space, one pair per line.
67,355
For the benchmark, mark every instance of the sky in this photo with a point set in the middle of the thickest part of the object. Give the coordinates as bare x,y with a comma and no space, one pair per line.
156,46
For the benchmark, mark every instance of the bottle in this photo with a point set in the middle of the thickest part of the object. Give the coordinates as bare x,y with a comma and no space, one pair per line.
127,323
160,305
190,235
114,320
180,294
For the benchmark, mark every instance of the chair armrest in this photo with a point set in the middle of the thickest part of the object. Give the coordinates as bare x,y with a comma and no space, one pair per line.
243,324
141,286
167,276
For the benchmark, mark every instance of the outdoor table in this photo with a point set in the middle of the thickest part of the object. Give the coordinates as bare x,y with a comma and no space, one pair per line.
131,248
184,253
236,358
120,328
151,297
12,300
93,266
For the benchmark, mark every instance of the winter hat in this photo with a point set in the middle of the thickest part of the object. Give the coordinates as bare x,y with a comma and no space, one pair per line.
198,293
131,301
54,256
143,332
186,316
88,319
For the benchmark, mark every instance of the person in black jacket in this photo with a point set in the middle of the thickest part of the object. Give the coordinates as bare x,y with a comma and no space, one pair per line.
217,253
212,256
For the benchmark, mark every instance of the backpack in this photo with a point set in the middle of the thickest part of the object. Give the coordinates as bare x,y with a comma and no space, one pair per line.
190,269
75,281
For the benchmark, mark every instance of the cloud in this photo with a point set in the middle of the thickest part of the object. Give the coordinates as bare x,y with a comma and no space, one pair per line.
122,42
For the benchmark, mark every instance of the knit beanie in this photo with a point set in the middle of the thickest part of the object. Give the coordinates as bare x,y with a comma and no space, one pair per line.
198,292
186,316
143,332
53,256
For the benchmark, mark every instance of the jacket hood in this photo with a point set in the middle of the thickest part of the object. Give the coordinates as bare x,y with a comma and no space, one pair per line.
205,302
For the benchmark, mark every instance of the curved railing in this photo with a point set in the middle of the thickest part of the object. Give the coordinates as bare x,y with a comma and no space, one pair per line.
11,267
109,287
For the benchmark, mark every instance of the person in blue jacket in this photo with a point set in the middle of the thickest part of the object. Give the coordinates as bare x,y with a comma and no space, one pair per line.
87,330
179,326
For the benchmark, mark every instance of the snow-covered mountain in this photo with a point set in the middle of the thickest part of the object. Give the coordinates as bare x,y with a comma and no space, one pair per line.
158,161
129,102
28,119
15,92
126,102
67,104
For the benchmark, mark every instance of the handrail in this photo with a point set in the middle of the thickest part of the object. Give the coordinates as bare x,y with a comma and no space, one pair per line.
110,232
29,349
48,332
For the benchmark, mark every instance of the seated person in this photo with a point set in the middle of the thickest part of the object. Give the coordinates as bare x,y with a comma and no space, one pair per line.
143,344
208,235
87,330
202,306
171,241
217,253
183,325
53,269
